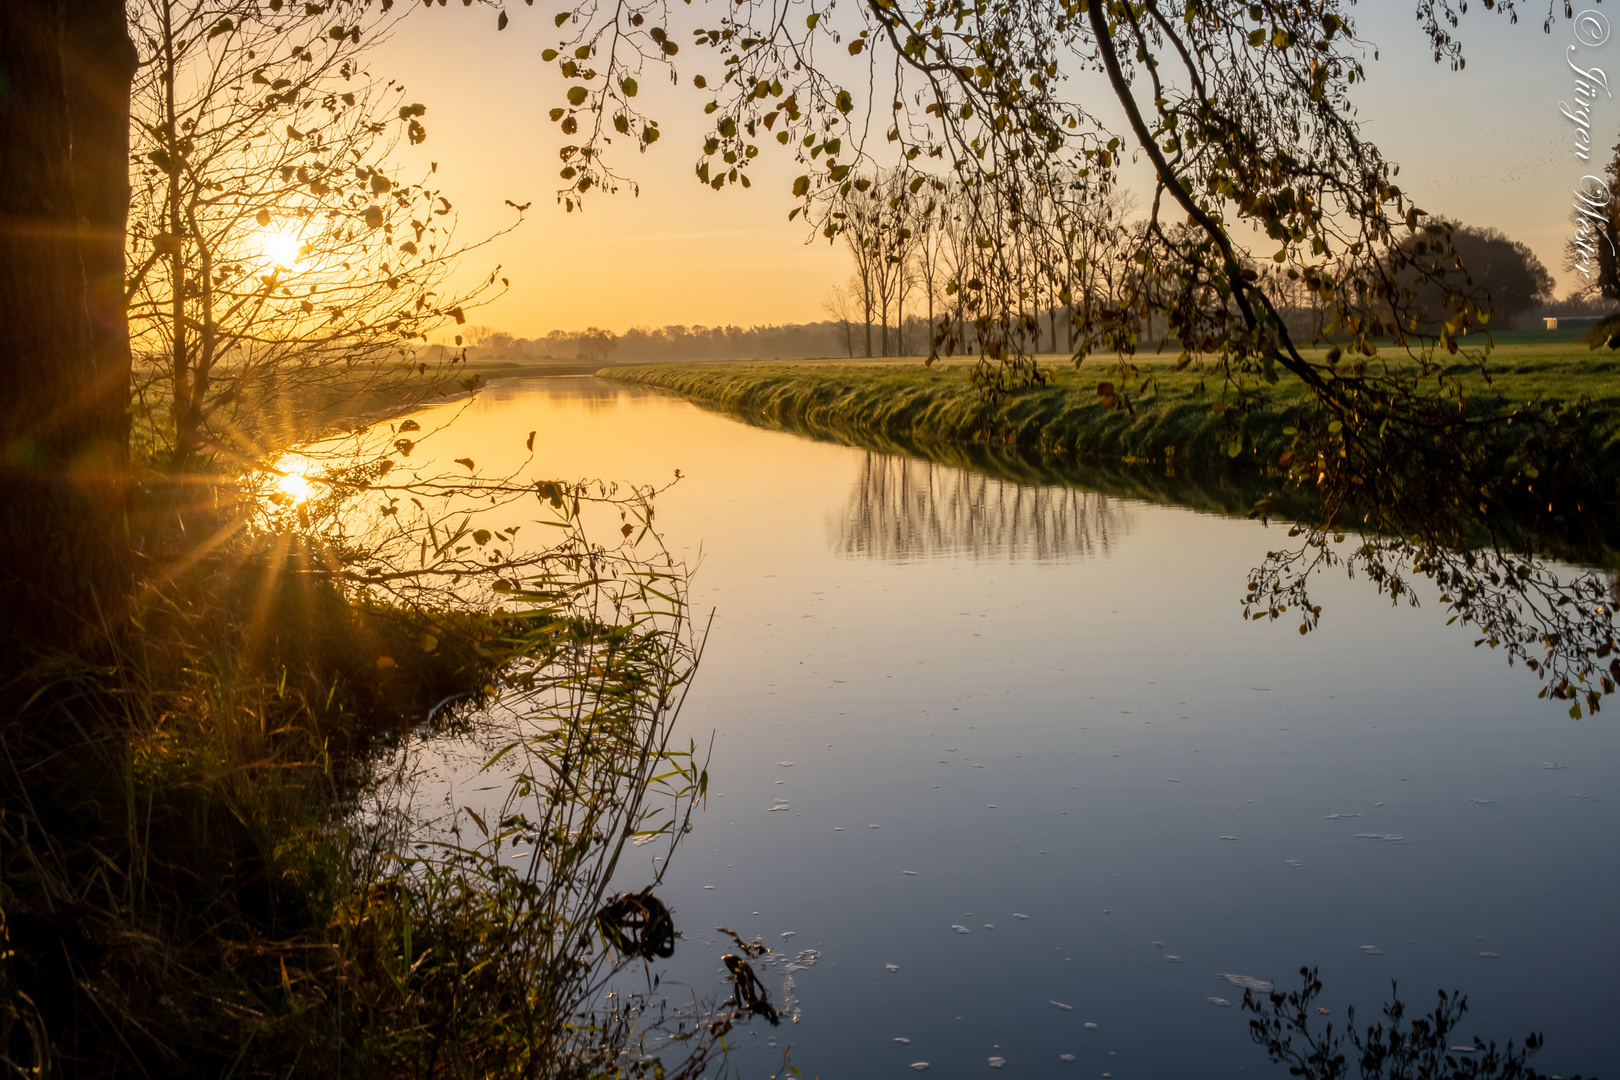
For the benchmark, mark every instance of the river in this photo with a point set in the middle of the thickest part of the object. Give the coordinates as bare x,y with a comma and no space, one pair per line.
1005,770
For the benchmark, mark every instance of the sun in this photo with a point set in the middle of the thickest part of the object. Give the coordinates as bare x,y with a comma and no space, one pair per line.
281,248
292,477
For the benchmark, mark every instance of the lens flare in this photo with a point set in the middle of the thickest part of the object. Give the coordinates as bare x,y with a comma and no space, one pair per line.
292,478
281,248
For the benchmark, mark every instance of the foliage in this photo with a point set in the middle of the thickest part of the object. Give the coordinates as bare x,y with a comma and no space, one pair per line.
1247,121
1392,1049
172,836
1512,278
276,254
1245,115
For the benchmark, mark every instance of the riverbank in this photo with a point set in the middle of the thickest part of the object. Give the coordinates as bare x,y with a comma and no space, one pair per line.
213,860
1172,421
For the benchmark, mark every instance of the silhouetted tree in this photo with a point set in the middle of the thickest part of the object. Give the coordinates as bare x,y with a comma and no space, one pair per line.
1444,271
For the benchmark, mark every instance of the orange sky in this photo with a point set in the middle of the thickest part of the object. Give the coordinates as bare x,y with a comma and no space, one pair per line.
1486,145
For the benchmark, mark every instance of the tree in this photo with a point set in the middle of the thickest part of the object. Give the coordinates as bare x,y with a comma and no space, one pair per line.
960,258
892,242
1507,272
932,229
484,337
860,222
66,67
274,251
1244,113
1594,250
840,304
596,345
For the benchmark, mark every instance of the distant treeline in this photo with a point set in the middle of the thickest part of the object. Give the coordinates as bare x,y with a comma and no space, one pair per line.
791,341
1576,306
837,338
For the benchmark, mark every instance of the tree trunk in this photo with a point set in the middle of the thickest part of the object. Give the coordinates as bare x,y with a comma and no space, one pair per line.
900,322
867,303
65,71
932,329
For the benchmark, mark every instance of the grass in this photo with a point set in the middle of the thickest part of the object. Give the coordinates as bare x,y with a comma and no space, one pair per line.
210,866
1170,446
171,828
1171,417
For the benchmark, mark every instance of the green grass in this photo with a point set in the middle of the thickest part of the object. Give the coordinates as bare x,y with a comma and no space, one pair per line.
1170,420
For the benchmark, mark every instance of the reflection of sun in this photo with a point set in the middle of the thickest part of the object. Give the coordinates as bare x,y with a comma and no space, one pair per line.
280,248
292,477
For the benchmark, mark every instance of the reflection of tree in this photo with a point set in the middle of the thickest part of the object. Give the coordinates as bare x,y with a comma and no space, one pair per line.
902,508
1393,1048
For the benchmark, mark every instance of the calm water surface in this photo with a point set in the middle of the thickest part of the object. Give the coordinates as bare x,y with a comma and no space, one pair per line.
987,748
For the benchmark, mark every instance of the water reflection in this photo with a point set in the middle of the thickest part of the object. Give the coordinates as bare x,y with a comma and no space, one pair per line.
913,695
584,391
902,509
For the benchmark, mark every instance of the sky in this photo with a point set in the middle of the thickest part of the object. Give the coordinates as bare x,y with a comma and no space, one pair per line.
1486,145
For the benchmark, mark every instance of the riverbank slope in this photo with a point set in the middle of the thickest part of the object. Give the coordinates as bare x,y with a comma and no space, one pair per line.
1174,419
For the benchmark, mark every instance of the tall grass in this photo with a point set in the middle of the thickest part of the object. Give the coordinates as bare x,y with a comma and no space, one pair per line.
208,866
498,960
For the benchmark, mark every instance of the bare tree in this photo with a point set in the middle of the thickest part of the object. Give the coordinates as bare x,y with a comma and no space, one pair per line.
932,228
840,304
858,220
275,252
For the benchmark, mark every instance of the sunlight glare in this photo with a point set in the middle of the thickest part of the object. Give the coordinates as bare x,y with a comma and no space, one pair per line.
293,479
280,248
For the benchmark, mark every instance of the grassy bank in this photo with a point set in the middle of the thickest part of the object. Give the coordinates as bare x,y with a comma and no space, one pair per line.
1171,421
211,860
177,872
